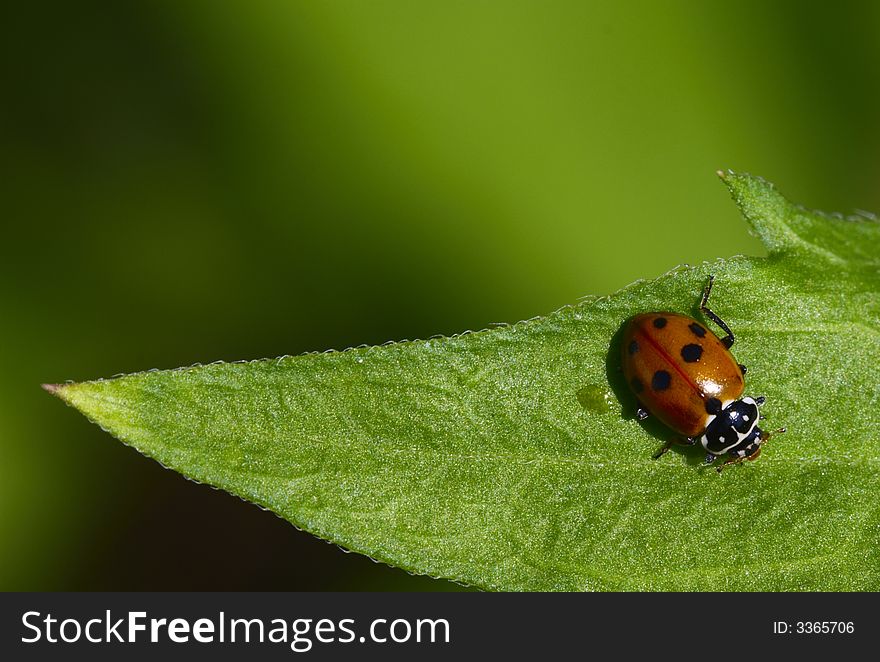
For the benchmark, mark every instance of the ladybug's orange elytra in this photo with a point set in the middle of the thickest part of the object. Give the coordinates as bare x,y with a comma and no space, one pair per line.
675,366
685,375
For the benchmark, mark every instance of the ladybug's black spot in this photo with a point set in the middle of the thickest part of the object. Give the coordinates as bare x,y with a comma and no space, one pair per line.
633,347
637,385
713,406
697,330
691,353
660,381
659,322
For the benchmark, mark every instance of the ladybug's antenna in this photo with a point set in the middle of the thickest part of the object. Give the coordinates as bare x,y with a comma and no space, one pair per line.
727,341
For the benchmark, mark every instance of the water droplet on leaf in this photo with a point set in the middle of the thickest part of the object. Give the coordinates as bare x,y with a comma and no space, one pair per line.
597,399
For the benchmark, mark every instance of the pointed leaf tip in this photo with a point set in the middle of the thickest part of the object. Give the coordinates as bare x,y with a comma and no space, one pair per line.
784,227
60,391
488,458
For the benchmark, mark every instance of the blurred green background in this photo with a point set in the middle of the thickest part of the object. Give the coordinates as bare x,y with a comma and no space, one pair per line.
191,181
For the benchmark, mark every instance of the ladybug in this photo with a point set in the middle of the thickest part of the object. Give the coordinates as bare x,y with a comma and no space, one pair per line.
685,375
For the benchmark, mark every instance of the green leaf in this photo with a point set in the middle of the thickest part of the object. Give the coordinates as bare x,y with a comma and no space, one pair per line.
509,459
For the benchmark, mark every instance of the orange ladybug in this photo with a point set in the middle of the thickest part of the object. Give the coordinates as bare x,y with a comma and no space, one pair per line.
685,375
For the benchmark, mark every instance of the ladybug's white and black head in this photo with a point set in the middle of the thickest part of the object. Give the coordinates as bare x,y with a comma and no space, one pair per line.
733,428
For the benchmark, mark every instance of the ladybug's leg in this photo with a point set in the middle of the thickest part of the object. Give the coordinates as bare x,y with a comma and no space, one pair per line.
752,451
737,460
760,400
710,458
662,451
766,435
677,441
642,413
727,341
